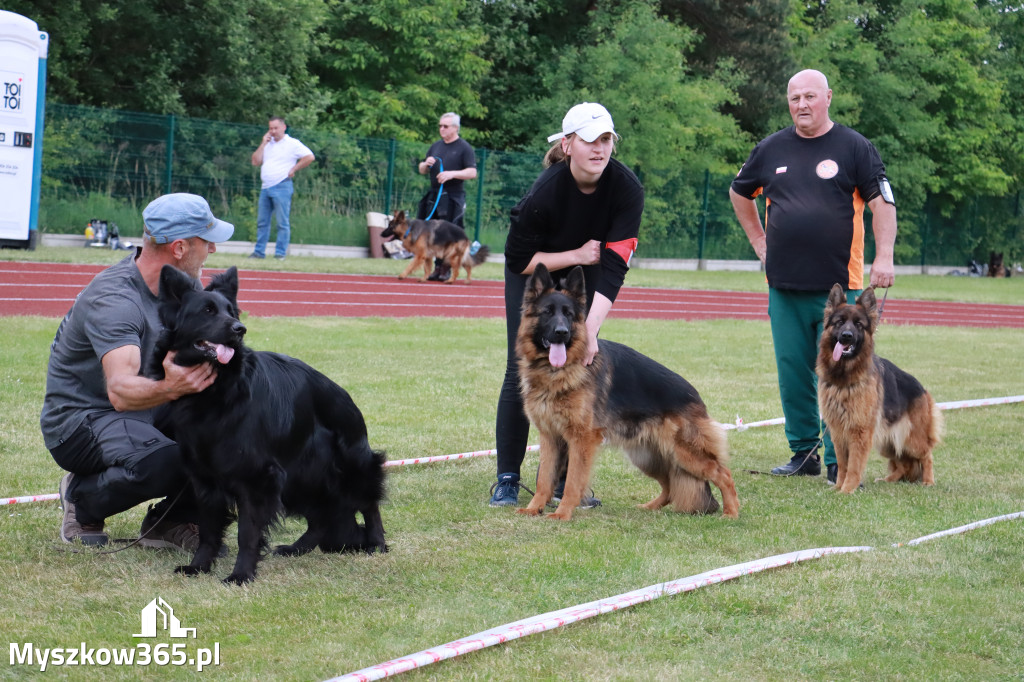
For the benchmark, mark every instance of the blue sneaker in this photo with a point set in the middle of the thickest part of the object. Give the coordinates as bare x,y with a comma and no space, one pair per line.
505,493
588,501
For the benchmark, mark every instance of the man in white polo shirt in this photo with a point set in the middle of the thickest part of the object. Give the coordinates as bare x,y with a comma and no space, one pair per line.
280,156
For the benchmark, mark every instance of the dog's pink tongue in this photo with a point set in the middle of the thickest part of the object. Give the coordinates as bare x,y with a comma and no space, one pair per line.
837,352
224,354
556,354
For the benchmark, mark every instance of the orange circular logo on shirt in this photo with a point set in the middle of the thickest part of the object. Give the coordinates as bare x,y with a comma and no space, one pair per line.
827,169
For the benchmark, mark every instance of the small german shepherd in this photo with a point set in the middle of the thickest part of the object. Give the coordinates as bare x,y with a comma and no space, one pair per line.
430,239
866,400
654,414
995,265
271,436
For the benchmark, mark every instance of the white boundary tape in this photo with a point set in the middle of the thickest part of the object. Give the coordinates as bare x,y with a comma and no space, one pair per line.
573,614
445,458
29,498
739,425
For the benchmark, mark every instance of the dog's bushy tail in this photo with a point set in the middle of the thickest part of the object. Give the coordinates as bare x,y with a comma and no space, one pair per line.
938,425
690,494
362,473
477,258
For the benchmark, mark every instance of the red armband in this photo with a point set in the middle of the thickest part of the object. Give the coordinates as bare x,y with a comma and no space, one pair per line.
625,248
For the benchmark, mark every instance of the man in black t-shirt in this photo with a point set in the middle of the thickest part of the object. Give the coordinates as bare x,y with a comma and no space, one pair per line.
816,177
450,161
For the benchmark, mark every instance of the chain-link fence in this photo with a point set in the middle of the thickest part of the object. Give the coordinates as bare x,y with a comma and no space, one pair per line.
108,164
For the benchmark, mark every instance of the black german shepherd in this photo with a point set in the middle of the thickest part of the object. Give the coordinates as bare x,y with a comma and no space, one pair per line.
866,400
624,397
271,436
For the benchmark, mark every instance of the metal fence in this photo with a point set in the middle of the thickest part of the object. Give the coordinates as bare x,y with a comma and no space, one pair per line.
108,164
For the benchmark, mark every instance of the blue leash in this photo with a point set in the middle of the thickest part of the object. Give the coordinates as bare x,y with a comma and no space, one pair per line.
440,192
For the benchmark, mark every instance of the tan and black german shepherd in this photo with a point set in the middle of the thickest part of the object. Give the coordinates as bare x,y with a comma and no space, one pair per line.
865,399
430,239
623,397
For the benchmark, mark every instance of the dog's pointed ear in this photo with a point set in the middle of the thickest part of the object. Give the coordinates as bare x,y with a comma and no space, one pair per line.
836,298
539,282
575,284
870,304
174,284
226,284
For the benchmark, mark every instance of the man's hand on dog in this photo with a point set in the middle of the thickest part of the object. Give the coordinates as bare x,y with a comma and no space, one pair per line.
186,380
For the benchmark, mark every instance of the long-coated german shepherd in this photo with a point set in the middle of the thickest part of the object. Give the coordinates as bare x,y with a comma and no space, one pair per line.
865,399
624,397
271,436
430,239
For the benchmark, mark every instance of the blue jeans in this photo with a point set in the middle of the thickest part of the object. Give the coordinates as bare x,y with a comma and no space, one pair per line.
276,200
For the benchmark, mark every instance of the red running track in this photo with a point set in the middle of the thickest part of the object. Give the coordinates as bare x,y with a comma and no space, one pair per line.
48,289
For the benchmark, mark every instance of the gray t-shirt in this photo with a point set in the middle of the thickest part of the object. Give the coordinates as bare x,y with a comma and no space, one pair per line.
116,309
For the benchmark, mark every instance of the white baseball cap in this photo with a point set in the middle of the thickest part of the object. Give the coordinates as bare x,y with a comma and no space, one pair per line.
589,120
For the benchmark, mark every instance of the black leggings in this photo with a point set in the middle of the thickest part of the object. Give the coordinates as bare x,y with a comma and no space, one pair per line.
512,428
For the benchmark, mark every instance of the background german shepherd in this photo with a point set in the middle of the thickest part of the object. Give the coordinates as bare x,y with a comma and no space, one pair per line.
865,399
271,436
654,414
995,265
430,239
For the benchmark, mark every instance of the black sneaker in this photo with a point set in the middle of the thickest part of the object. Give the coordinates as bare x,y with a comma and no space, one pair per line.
832,472
256,255
441,273
588,501
806,463
168,534
505,493
70,529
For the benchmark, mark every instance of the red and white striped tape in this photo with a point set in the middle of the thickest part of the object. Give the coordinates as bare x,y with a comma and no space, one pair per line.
29,498
445,458
739,425
556,619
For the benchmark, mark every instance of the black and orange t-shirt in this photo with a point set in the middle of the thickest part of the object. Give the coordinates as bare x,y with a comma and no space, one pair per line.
815,190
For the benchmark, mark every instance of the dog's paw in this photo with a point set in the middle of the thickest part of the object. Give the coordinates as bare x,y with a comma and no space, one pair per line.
239,579
528,511
191,570
561,515
289,550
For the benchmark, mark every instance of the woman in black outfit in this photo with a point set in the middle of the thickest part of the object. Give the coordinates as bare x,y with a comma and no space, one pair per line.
584,209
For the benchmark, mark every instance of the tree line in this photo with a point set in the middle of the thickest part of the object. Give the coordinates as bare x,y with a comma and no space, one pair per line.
692,84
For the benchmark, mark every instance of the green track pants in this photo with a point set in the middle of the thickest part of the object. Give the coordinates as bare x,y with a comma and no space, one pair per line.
797,320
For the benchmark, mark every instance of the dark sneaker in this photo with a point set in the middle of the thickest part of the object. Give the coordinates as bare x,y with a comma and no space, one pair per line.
168,534
832,472
70,529
278,257
806,463
588,501
256,255
441,273
505,493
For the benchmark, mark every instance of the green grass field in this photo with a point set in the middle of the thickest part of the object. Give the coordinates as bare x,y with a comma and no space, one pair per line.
947,609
